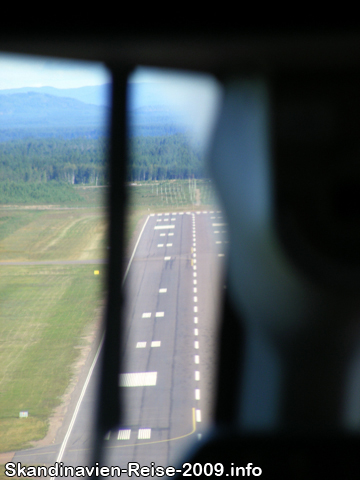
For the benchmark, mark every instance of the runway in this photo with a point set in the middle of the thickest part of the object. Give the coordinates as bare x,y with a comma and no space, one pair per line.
169,352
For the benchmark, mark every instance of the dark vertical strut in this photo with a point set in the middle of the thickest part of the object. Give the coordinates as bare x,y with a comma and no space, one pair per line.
231,340
108,413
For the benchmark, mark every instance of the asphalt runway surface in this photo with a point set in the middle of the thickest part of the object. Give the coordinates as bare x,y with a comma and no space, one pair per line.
169,353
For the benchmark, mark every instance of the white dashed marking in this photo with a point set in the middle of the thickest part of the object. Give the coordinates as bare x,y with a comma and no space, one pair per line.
196,332
169,244
221,254
197,359
162,234
167,258
146,315
141,379
198,415
171,234
197,375
159,314
219,224
195,282
163,290
195,309
195,299
160,244
194,274
141,345
195,290
219,241
156,343
196,320
162,227
196,345
197,394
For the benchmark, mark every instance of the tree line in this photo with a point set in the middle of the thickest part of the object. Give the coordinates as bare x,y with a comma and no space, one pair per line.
84,160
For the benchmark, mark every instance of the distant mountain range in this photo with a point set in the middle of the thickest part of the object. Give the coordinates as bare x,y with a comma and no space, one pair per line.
85,111
95,95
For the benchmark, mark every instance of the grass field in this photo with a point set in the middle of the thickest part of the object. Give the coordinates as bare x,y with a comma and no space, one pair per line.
45,309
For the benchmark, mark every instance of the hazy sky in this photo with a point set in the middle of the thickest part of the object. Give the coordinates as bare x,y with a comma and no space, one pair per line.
18,71
196,97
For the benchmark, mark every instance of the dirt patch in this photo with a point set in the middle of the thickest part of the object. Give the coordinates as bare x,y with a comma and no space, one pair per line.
197,196
6,457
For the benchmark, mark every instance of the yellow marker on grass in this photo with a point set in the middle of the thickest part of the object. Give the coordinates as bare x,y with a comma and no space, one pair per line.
96,272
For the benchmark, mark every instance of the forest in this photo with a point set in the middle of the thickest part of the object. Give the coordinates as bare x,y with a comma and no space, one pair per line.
84,160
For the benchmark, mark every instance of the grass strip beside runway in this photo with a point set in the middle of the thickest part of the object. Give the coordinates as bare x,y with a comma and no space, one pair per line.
44,310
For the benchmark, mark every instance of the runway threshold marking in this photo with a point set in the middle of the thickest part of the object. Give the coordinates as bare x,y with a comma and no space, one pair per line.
141,379
144,433
194,420
124,434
